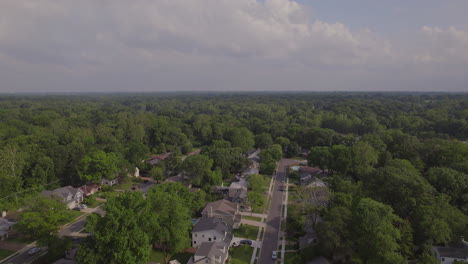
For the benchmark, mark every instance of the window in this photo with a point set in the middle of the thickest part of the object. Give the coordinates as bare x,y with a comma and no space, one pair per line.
202,235
214,237
195,242
195,235
209,239
443,259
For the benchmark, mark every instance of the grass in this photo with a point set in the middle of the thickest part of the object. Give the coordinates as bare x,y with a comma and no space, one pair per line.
73,215
291,257
247,231
21,239
241,255
124,186
157,256
5,253
252,218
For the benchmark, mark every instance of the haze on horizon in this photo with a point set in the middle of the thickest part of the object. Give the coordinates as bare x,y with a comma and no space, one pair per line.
232,45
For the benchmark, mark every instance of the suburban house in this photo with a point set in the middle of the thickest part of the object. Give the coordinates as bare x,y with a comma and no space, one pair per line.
210,229
211,253
253,155
238,191
5,228
110,182
158,158
308,174
70,196
224,210
447,255
90,189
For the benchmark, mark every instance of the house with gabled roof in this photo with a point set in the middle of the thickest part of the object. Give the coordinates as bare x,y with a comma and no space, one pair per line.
211,253
210,229
70,196
225,210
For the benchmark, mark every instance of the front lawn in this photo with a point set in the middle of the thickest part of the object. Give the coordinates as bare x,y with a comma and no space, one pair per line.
5,253
246,231
241,255
254,218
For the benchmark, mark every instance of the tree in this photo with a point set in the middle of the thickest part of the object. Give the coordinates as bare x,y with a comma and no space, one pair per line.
100,165
364,158
41,220
198,167
374,234
263,140
157,173
121,236
452,183
257,183
242,138
320,157
171,221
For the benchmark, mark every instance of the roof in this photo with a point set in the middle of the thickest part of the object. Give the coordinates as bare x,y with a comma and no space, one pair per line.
224,207
161,157
177,178
250,171
5,226
239,185
311,170
62,192
213,249
88,189
450,252
211,223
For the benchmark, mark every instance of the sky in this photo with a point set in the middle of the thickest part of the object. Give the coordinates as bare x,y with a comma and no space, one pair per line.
233,45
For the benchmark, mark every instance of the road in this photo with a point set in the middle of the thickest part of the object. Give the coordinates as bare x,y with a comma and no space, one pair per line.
23,257
271,236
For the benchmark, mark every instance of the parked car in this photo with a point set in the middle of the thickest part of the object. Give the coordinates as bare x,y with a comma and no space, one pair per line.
33,251
83,206
274,255
76,209
246,242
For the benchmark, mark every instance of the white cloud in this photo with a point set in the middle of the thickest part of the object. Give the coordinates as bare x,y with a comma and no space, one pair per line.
444,45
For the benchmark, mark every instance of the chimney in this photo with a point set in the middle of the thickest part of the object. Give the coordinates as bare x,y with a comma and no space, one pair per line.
210,214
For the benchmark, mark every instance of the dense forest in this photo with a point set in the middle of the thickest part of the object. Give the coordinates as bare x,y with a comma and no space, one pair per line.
398,162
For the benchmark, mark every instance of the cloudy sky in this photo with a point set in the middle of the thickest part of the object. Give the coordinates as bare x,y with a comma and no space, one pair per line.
233,45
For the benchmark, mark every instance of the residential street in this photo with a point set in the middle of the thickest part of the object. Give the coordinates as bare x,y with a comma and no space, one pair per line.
24,257
271,236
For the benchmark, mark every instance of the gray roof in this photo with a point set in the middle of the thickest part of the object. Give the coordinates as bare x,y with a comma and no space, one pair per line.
5,226
223,207
213,249
240,184
211,223
449,252
62,192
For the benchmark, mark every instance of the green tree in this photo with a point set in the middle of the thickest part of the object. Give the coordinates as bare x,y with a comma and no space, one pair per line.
41,220
100,165
157,173
242,138
320,157
198,167
374,234
263,140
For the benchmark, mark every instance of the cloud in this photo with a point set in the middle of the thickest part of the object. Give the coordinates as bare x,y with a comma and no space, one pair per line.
444,45
87,31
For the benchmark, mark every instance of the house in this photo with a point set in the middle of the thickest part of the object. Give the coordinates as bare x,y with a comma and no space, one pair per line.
110,182
158,158
308,174
253,155
224,210
447,255
210,229
70,196
238,191
5,228
90,189
211,253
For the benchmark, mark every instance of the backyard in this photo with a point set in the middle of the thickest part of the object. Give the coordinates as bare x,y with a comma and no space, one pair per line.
157,256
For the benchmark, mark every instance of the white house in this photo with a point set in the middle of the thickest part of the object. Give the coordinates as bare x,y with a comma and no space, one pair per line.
110,182
210,230
70,196
447,255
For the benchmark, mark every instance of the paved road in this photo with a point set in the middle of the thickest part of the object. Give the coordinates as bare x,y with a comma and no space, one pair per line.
271,236
24,257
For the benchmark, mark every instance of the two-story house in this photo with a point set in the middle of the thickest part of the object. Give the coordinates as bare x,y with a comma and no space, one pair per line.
210,230
224,210
70,196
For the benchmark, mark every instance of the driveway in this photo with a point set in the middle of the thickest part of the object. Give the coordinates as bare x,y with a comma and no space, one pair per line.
271,236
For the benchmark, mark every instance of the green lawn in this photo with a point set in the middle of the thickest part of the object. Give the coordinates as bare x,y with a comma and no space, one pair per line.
241,255
5,253
157,256
252,218
246,231
292,258
73,215
125,186
92,203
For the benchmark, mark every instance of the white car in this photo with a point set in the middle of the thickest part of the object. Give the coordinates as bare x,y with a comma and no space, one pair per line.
83,206
274,255
33,251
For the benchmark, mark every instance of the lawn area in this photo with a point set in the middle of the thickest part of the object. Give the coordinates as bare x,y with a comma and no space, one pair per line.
125,186
74,215
21,239
92,203
5,253
292,258
241,255
157,256
252,218
246,231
